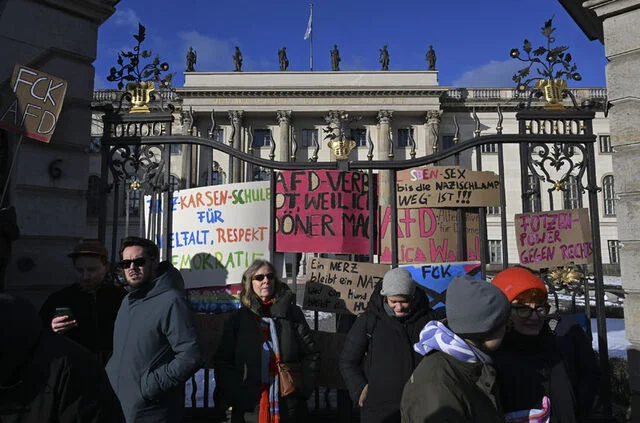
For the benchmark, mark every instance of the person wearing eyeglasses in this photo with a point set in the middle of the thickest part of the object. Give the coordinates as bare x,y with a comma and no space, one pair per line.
86,310
268,330
155,344
541,371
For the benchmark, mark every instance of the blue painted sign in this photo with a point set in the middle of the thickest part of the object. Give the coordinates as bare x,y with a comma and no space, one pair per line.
435,277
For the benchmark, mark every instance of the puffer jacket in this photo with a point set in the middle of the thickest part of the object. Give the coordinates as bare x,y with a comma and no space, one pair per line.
238,360
155,349
385,343
47,378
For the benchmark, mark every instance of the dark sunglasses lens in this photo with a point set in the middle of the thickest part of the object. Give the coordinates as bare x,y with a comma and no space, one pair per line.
125,264
260,278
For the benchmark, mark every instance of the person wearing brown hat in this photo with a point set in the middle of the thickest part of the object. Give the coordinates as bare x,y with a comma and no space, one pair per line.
382,339
456,379
85,311
537,367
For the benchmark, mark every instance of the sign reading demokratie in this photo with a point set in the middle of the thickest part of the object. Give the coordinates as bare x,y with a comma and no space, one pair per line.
34,103
447,186
554,238
340,286
217,231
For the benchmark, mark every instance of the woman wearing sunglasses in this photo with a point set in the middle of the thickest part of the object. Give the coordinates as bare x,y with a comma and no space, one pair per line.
550,376
267,332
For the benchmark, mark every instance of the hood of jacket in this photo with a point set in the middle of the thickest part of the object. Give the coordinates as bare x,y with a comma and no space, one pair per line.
19,334
168,277
418,306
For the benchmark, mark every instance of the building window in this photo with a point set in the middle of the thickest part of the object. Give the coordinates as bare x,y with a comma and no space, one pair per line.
489,148
493,210
308,137
175,148
217,174
260,174
405,135
609,194
133,197
495,251
359,135
572,193
261,138
605,143
614,251
447,141
534,189
93,196
175,183
218,135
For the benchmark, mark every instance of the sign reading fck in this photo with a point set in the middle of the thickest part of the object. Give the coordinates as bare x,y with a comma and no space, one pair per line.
35,104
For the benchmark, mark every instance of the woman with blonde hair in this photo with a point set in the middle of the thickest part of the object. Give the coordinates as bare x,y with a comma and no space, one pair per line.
265,341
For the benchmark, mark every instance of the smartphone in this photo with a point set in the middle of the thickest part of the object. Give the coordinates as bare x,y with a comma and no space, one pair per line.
64,311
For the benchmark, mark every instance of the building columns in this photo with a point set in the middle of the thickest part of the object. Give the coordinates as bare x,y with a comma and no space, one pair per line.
622,48
235,118
283,147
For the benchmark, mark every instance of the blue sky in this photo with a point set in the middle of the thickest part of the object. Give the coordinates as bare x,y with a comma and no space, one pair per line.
472,38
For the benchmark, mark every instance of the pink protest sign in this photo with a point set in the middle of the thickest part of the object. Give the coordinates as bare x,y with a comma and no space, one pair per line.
322,211
554,238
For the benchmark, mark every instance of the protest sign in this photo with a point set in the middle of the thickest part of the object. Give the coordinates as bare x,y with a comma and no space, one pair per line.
215,299
436,277
340,286
428,236
446,186
218,231
554,238
34,103
323,211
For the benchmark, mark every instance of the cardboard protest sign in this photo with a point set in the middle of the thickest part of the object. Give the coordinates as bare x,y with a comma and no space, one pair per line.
436,277
34,105
218,231
446,186
428,236
340,286
215,299
323,211
554,238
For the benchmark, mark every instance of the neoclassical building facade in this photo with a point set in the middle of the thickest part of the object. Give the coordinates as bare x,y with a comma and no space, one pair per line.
283,116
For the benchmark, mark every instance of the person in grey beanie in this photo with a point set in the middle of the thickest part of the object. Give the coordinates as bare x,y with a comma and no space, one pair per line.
456,380
382,336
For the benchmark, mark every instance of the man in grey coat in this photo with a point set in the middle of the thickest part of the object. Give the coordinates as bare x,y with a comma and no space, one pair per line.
155,345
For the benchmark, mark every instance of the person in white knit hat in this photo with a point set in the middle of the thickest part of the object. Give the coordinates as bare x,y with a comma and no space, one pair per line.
384,333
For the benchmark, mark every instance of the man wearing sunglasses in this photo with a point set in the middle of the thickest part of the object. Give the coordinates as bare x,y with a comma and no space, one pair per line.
155,345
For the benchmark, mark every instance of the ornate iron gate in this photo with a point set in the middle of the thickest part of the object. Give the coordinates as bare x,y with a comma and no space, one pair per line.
555,147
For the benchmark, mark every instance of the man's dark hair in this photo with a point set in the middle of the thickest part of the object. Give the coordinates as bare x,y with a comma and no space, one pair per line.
150,247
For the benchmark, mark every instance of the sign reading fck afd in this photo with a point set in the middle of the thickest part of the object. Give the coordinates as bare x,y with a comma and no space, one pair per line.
33,106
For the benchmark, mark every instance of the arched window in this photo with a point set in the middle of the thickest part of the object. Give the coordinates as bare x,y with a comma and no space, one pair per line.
93,196
609,195
572,194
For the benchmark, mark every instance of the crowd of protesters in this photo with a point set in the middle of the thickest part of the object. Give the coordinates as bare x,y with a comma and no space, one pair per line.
494,357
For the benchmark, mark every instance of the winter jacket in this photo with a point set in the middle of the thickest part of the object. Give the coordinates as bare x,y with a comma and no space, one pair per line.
238,360
155,349
46,378
385,343
444,389
530,367
95,314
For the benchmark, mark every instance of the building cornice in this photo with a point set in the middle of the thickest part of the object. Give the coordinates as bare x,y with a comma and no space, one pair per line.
195,92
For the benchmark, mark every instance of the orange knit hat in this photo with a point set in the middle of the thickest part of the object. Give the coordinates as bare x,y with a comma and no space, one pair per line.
516,280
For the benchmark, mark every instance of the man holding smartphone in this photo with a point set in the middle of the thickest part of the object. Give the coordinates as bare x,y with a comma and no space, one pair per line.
86,310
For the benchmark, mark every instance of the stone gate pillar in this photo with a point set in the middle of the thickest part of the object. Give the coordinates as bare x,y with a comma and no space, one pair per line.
284,145
235,118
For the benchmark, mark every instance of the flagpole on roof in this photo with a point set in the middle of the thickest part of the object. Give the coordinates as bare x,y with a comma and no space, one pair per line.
309,34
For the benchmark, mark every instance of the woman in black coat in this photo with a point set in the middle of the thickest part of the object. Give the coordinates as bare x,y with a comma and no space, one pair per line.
269,327
534,362
384,336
